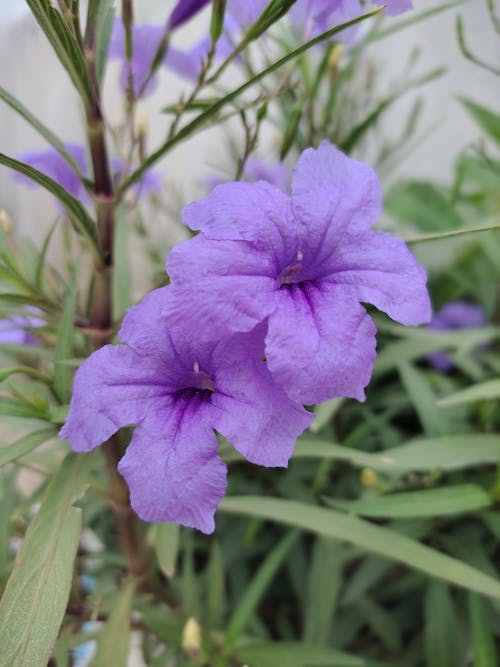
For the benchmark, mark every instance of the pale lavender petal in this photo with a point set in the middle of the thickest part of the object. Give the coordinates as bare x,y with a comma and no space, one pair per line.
396,6
378,268
114,387
53,165
246,12
320,344
143,327
187,63
219,287
454,316
333,195
256,415
185,10
276,174
150,182
172,469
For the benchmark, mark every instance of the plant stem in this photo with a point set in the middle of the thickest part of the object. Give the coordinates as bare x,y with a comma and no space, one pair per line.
131,533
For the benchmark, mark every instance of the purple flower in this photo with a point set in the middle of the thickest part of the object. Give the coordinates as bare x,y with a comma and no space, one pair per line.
15,330
177,390
396,6
454,315
51,163
301,265
145,42
257,170
183,11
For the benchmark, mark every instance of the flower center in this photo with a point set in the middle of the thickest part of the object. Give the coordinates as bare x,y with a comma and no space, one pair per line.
289,274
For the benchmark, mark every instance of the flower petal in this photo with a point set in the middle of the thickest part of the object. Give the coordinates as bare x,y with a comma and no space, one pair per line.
256,415
333,195
173,471
378,268
143,328
256,212
320,344
219,287
114,387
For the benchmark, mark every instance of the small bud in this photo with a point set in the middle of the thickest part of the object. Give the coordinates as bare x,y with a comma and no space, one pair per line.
191,638
369,478
5,221
217,20
142,124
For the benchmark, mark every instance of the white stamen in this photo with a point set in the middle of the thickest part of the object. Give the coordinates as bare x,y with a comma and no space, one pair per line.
300,256
196,367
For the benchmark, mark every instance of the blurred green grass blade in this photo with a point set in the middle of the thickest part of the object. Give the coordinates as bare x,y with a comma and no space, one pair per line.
488,120
441,630
382,623
294,654
371,570
79,217
104,24
258,586
414,504
63,373
10,407
423,205
452,452
216,587
34,602
166,544
44,131
25,445
483,642
122,280
324,584
324,413
483,391
433,420
366,535
113,644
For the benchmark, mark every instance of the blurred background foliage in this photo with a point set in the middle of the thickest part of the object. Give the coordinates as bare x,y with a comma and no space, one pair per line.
379,544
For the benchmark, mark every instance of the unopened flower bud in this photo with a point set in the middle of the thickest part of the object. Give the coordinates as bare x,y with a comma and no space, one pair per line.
191,638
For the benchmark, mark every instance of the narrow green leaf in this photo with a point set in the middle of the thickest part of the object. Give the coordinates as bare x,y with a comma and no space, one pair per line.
64,349
479,392
216,587
325,578
324,413
24,445
47,134
488,120
433,420
10,407
483,642
22,370
294,654
166,543
258,587
441,631
424,205
366,535
122,281
114,639
412,504
104,25
77,214
382,623
34,602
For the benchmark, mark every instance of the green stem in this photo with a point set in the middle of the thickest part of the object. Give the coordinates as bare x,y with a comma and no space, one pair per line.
422,238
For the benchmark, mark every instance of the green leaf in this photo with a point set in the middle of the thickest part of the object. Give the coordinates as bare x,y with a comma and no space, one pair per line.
441,631
24,445
322,590
47,134
104,25
483,391
77,214
366,535
488,120
324,413
64,43
10,407
419,455
257,587
412,504
483,642
216,589
63,373
166,544
294,654
422,204
114,639
34,602
433,420
382,623
122,281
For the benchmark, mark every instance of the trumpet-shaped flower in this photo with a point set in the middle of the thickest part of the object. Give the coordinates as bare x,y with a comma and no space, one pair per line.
452,316
177,390
301,265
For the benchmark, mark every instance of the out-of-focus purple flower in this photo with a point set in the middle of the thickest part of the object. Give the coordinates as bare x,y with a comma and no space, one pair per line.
151,182
396,6
454,315
301,264
177,390
16,329
145,42
51,163
183,11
